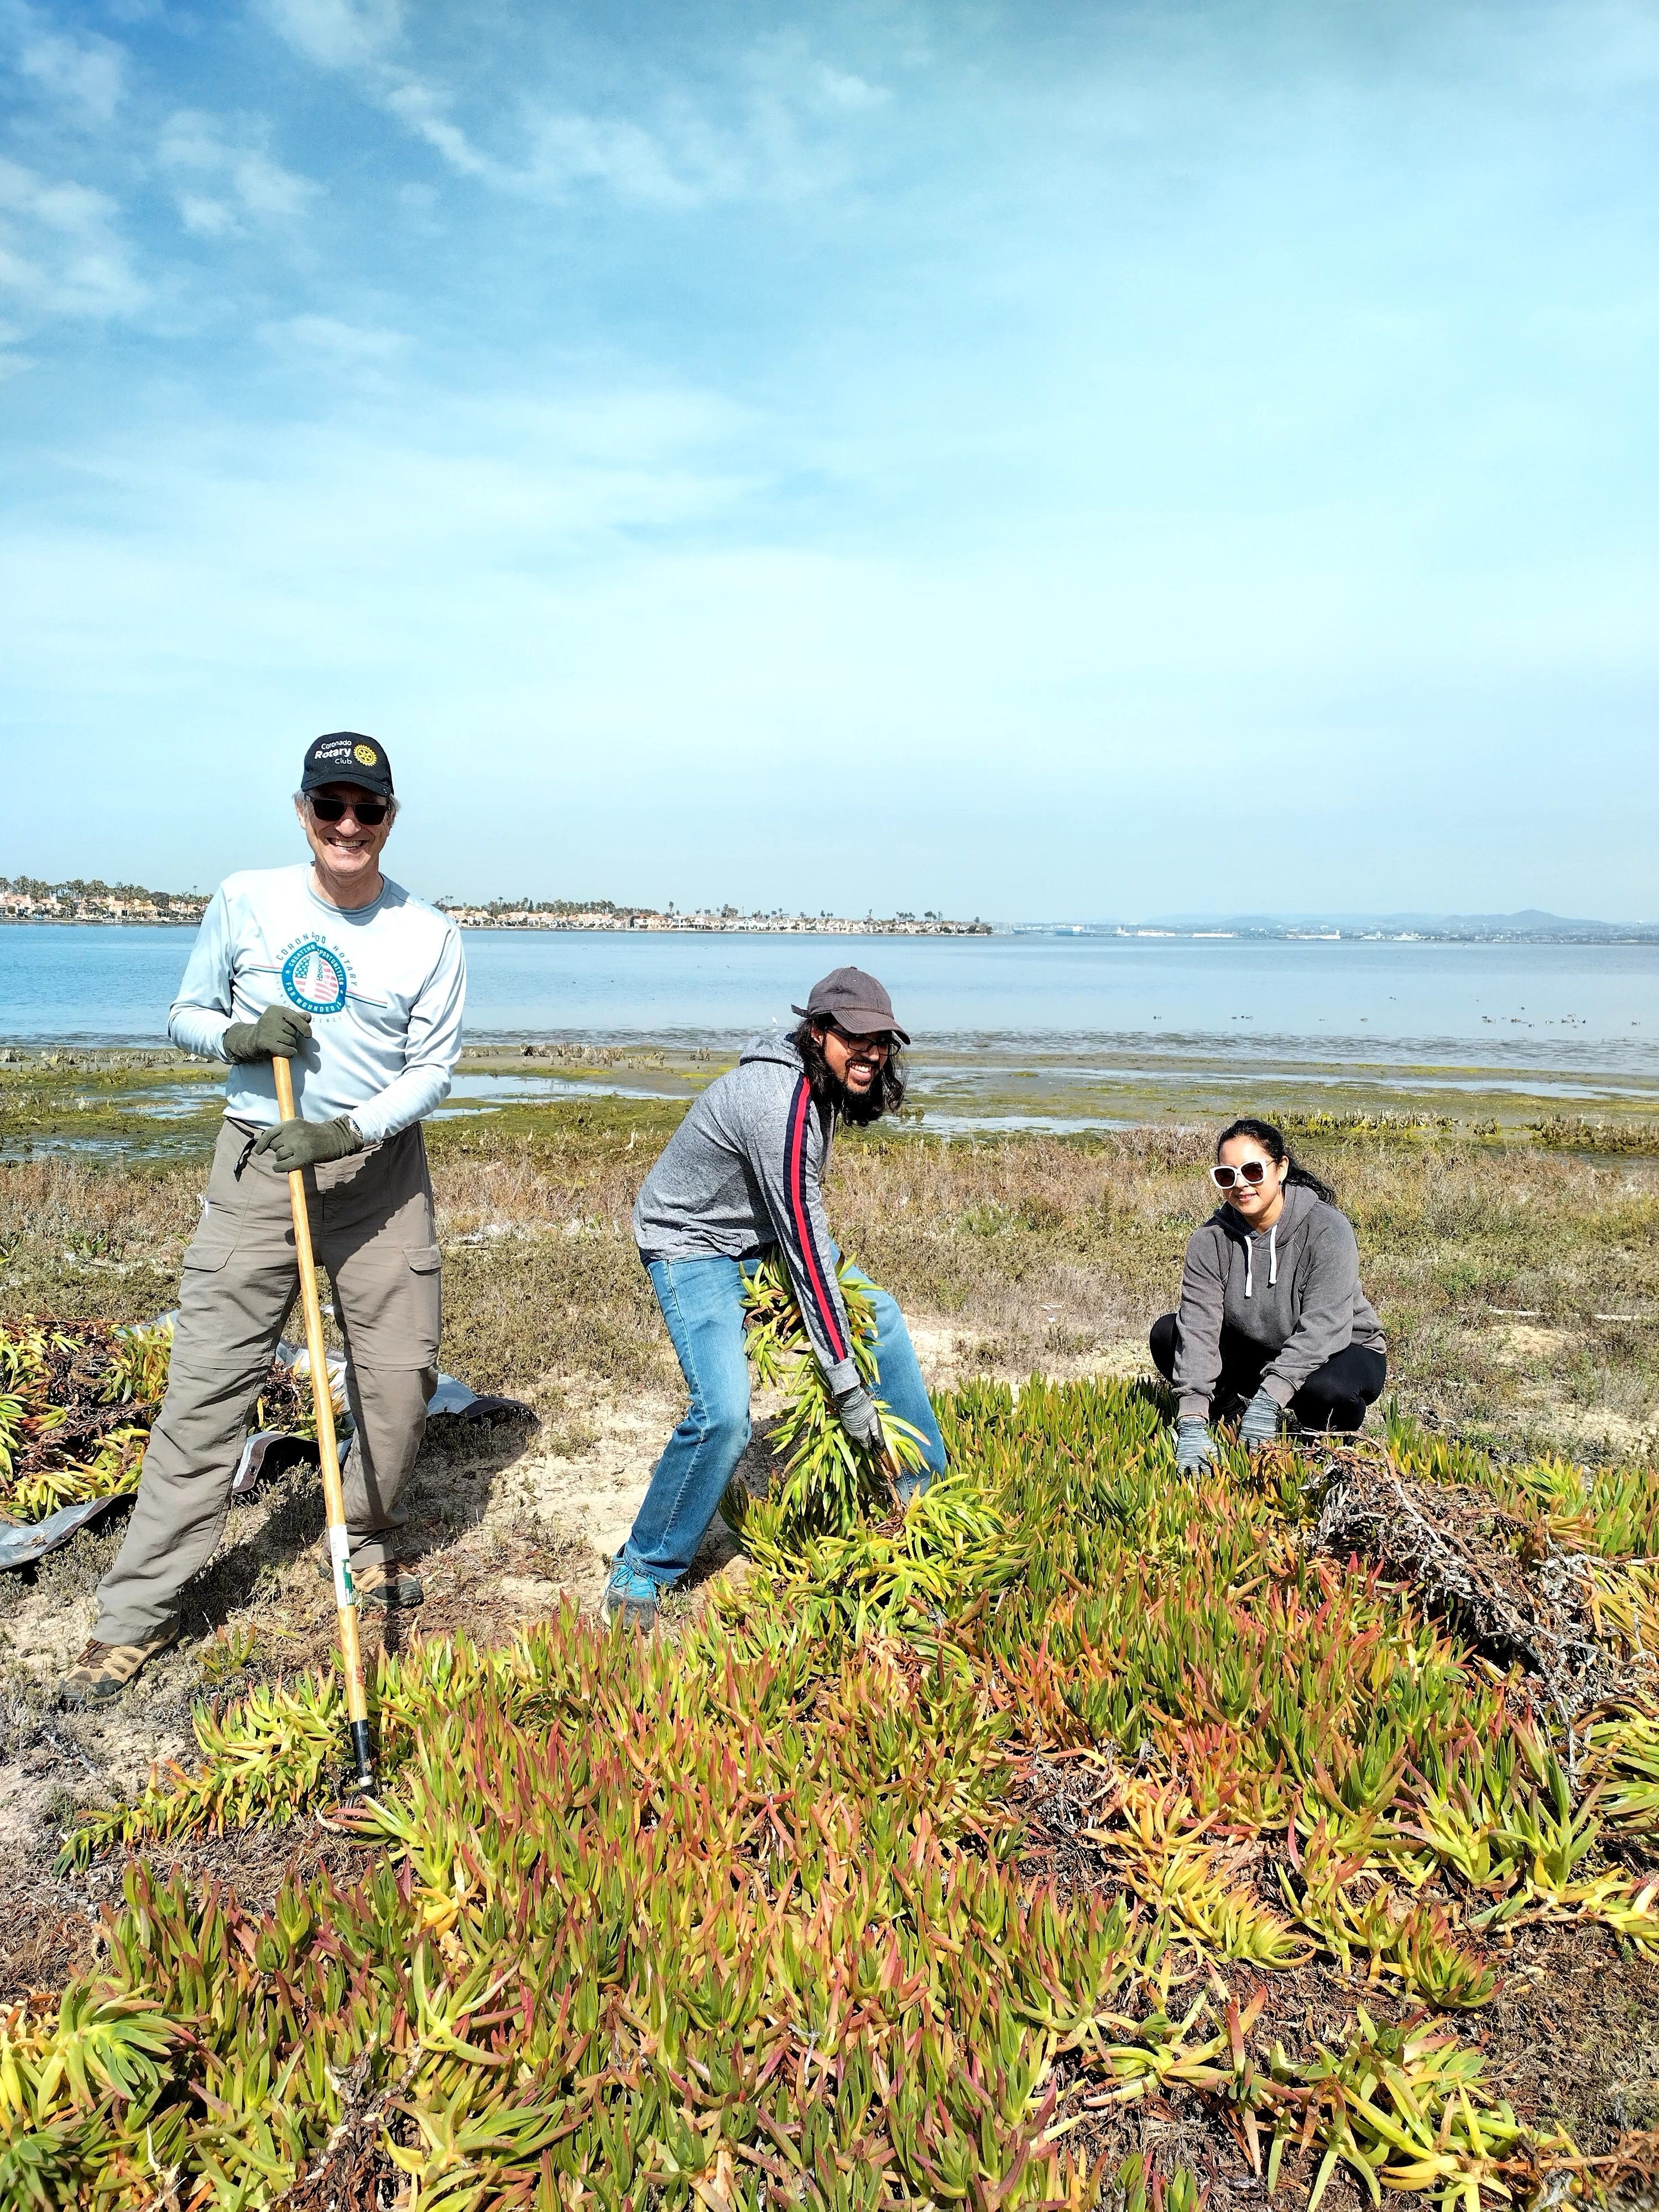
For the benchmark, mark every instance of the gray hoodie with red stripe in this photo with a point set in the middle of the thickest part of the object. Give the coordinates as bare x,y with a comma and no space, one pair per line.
744,1172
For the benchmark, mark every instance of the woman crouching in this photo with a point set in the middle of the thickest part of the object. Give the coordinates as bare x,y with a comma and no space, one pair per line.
1272,1316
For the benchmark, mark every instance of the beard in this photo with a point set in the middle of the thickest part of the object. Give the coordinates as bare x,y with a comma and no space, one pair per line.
858,1109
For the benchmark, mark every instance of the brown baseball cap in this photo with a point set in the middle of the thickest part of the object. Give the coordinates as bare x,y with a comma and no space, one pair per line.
855,1002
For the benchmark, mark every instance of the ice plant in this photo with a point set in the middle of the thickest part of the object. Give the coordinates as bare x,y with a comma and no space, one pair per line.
76,1399
751,1919
829,1481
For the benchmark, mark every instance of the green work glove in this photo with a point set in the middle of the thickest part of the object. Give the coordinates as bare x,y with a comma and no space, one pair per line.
303,1144
1260,1423
279,1034
1195,1445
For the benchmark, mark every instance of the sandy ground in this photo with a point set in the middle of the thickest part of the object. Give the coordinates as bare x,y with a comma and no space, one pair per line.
1536,1353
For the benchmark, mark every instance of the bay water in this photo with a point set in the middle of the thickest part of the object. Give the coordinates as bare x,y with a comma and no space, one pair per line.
1517,1006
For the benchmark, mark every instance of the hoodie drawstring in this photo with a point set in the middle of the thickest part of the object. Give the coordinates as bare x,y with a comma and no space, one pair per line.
1249,1261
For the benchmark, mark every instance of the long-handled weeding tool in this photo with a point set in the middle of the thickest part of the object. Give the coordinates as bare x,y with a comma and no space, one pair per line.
328,1451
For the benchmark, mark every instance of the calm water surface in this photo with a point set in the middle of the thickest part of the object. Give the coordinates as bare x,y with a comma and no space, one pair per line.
1561,1006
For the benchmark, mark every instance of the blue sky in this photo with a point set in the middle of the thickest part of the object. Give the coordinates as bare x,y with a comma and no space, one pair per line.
1071,460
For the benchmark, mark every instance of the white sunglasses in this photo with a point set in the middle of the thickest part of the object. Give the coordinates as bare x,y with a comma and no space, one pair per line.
1253,1172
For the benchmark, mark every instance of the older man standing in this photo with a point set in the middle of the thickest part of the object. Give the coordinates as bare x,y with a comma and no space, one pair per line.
338,969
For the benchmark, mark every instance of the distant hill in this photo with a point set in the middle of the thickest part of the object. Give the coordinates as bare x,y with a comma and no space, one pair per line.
1529,921
1529,926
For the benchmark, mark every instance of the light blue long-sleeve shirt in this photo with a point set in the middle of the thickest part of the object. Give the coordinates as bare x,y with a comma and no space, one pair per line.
384,986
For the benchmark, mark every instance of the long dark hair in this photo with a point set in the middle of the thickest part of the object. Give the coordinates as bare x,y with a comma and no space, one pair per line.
1272,1142
884,1096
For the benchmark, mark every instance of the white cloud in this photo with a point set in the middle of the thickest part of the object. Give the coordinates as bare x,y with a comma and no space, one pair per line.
204,218
577,149
677,158
355,36
840,88
60,252
85,73
230,178
783,141
337,33
190,140
266,189
347,343
423,111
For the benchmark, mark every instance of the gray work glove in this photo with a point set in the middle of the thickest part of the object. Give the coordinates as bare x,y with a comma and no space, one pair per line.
1260,1423
855,1409
303,1144
279,1034
1195,1445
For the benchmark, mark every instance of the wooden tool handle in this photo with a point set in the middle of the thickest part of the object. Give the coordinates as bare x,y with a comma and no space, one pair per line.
328,1449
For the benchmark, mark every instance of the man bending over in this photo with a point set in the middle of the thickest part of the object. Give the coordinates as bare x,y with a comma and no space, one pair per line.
337,968
743,1174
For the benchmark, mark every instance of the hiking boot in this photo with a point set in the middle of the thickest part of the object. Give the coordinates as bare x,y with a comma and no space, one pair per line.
631,1598
383,1584
103,1670
397,1588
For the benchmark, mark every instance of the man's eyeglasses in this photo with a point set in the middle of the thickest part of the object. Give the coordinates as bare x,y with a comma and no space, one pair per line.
1254,1173
883,1044
370,812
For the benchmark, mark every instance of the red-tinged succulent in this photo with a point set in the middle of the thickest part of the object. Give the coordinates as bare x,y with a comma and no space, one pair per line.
745,1919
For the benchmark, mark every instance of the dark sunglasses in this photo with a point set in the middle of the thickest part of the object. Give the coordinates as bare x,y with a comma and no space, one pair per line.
371,812
1253,1172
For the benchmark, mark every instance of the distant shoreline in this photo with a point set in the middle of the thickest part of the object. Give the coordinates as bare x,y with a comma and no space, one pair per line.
901,926
89,902
1133,933
689,926
83,902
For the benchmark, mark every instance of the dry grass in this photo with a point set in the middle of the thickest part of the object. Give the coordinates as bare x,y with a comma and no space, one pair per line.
1052,1247
1034,1252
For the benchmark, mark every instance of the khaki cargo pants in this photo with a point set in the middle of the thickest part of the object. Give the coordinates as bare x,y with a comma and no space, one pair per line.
371,1229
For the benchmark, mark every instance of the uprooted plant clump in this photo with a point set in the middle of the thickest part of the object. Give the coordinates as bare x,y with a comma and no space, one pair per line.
77,1402
1084,1835
1510,1557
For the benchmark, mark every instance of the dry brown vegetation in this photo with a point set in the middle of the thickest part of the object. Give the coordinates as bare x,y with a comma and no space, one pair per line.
1495,1264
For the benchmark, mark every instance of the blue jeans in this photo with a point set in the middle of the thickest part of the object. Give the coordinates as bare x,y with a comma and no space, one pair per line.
701,1301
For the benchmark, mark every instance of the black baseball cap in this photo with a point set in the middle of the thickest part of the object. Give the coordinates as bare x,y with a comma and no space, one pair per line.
347,756
855,1002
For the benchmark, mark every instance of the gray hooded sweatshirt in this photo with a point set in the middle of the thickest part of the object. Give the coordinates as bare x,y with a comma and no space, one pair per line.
1293,1290
744,1172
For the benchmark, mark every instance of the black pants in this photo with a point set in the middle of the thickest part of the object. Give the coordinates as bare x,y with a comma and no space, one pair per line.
1334,1396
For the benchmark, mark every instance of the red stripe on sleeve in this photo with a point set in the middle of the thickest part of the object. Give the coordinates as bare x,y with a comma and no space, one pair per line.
795,1169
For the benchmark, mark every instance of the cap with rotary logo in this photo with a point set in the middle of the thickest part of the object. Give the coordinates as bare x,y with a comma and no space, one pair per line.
347,756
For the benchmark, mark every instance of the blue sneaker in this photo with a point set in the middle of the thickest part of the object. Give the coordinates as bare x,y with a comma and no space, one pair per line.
631,1598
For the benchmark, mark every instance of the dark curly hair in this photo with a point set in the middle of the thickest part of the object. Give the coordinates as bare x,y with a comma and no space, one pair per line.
884,1096
1272,1142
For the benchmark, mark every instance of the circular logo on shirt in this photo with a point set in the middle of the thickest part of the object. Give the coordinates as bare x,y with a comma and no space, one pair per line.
314,978
365,756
